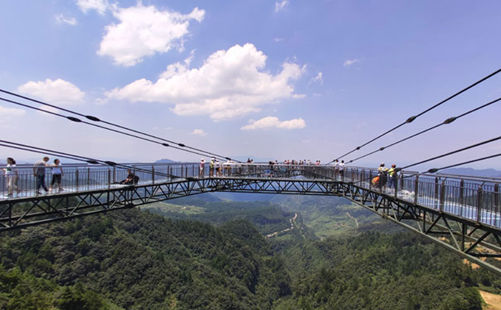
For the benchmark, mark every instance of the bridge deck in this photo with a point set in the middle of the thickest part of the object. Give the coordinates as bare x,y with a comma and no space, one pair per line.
469,198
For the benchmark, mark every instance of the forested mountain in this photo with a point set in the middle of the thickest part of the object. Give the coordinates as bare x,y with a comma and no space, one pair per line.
212,254
142,261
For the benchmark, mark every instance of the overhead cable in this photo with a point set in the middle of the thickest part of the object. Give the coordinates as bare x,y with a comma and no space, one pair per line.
412,118
77,120
180,146
39,150
433,170
452,152
445,122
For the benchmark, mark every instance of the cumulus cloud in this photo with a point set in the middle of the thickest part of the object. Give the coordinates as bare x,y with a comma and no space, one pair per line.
280,5
10,112
350,62
53,91
230,83
143,31
99,5
61,19
274,122
198,132
318,78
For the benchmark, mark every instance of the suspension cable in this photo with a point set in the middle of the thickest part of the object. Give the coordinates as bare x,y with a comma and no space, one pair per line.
181,146
452,152
412,118
77,120
433,170
89,160
446,122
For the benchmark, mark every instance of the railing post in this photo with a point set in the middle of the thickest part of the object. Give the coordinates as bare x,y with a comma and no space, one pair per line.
186,171
152,174
76,179
88,178
496,200
370,179
109,178
416,190
436,191
479,203
114,174
442,196
461,192
396,186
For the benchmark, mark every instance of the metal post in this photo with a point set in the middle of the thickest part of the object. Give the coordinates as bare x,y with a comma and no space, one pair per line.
461,192
436,191
496,200
416,189
76,178
109,178
442,196
152,174
396,187
370,179
479,203
88,177
114,174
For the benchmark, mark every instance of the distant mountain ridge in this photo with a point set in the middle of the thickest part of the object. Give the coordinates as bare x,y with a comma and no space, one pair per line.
489,173
165,161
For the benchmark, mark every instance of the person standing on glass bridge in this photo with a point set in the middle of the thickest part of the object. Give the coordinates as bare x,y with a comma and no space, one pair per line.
11,174
211,166
340,167
57,174
39,173
202,167
392,173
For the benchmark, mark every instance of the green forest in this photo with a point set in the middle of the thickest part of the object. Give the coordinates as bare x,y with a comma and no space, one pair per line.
205,253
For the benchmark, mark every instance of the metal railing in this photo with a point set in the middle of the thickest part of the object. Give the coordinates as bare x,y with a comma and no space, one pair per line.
472,198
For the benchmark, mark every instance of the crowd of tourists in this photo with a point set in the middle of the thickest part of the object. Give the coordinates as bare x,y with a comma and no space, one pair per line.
12,176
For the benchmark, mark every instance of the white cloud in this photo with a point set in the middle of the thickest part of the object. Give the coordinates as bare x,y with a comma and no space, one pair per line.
11,112
318,78
99,5
61,19
280,5
144,31
274,122
199,132
230,83
350,62
53,91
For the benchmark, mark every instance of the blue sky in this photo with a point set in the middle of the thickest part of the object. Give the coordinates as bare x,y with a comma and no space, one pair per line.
271,79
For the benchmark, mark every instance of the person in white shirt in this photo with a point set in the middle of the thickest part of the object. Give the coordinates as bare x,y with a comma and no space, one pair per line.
341,169
202,167
57,174
11,174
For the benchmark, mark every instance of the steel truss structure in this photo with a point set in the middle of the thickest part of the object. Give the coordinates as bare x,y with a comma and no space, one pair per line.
478,242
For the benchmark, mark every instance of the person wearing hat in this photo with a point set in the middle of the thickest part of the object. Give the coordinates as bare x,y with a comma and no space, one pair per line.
382,173
211,166
392,173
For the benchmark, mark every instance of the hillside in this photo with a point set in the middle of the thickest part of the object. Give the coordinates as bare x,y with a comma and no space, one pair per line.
135,259
142,261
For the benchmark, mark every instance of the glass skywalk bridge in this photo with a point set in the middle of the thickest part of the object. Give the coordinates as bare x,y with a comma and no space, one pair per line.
461,213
